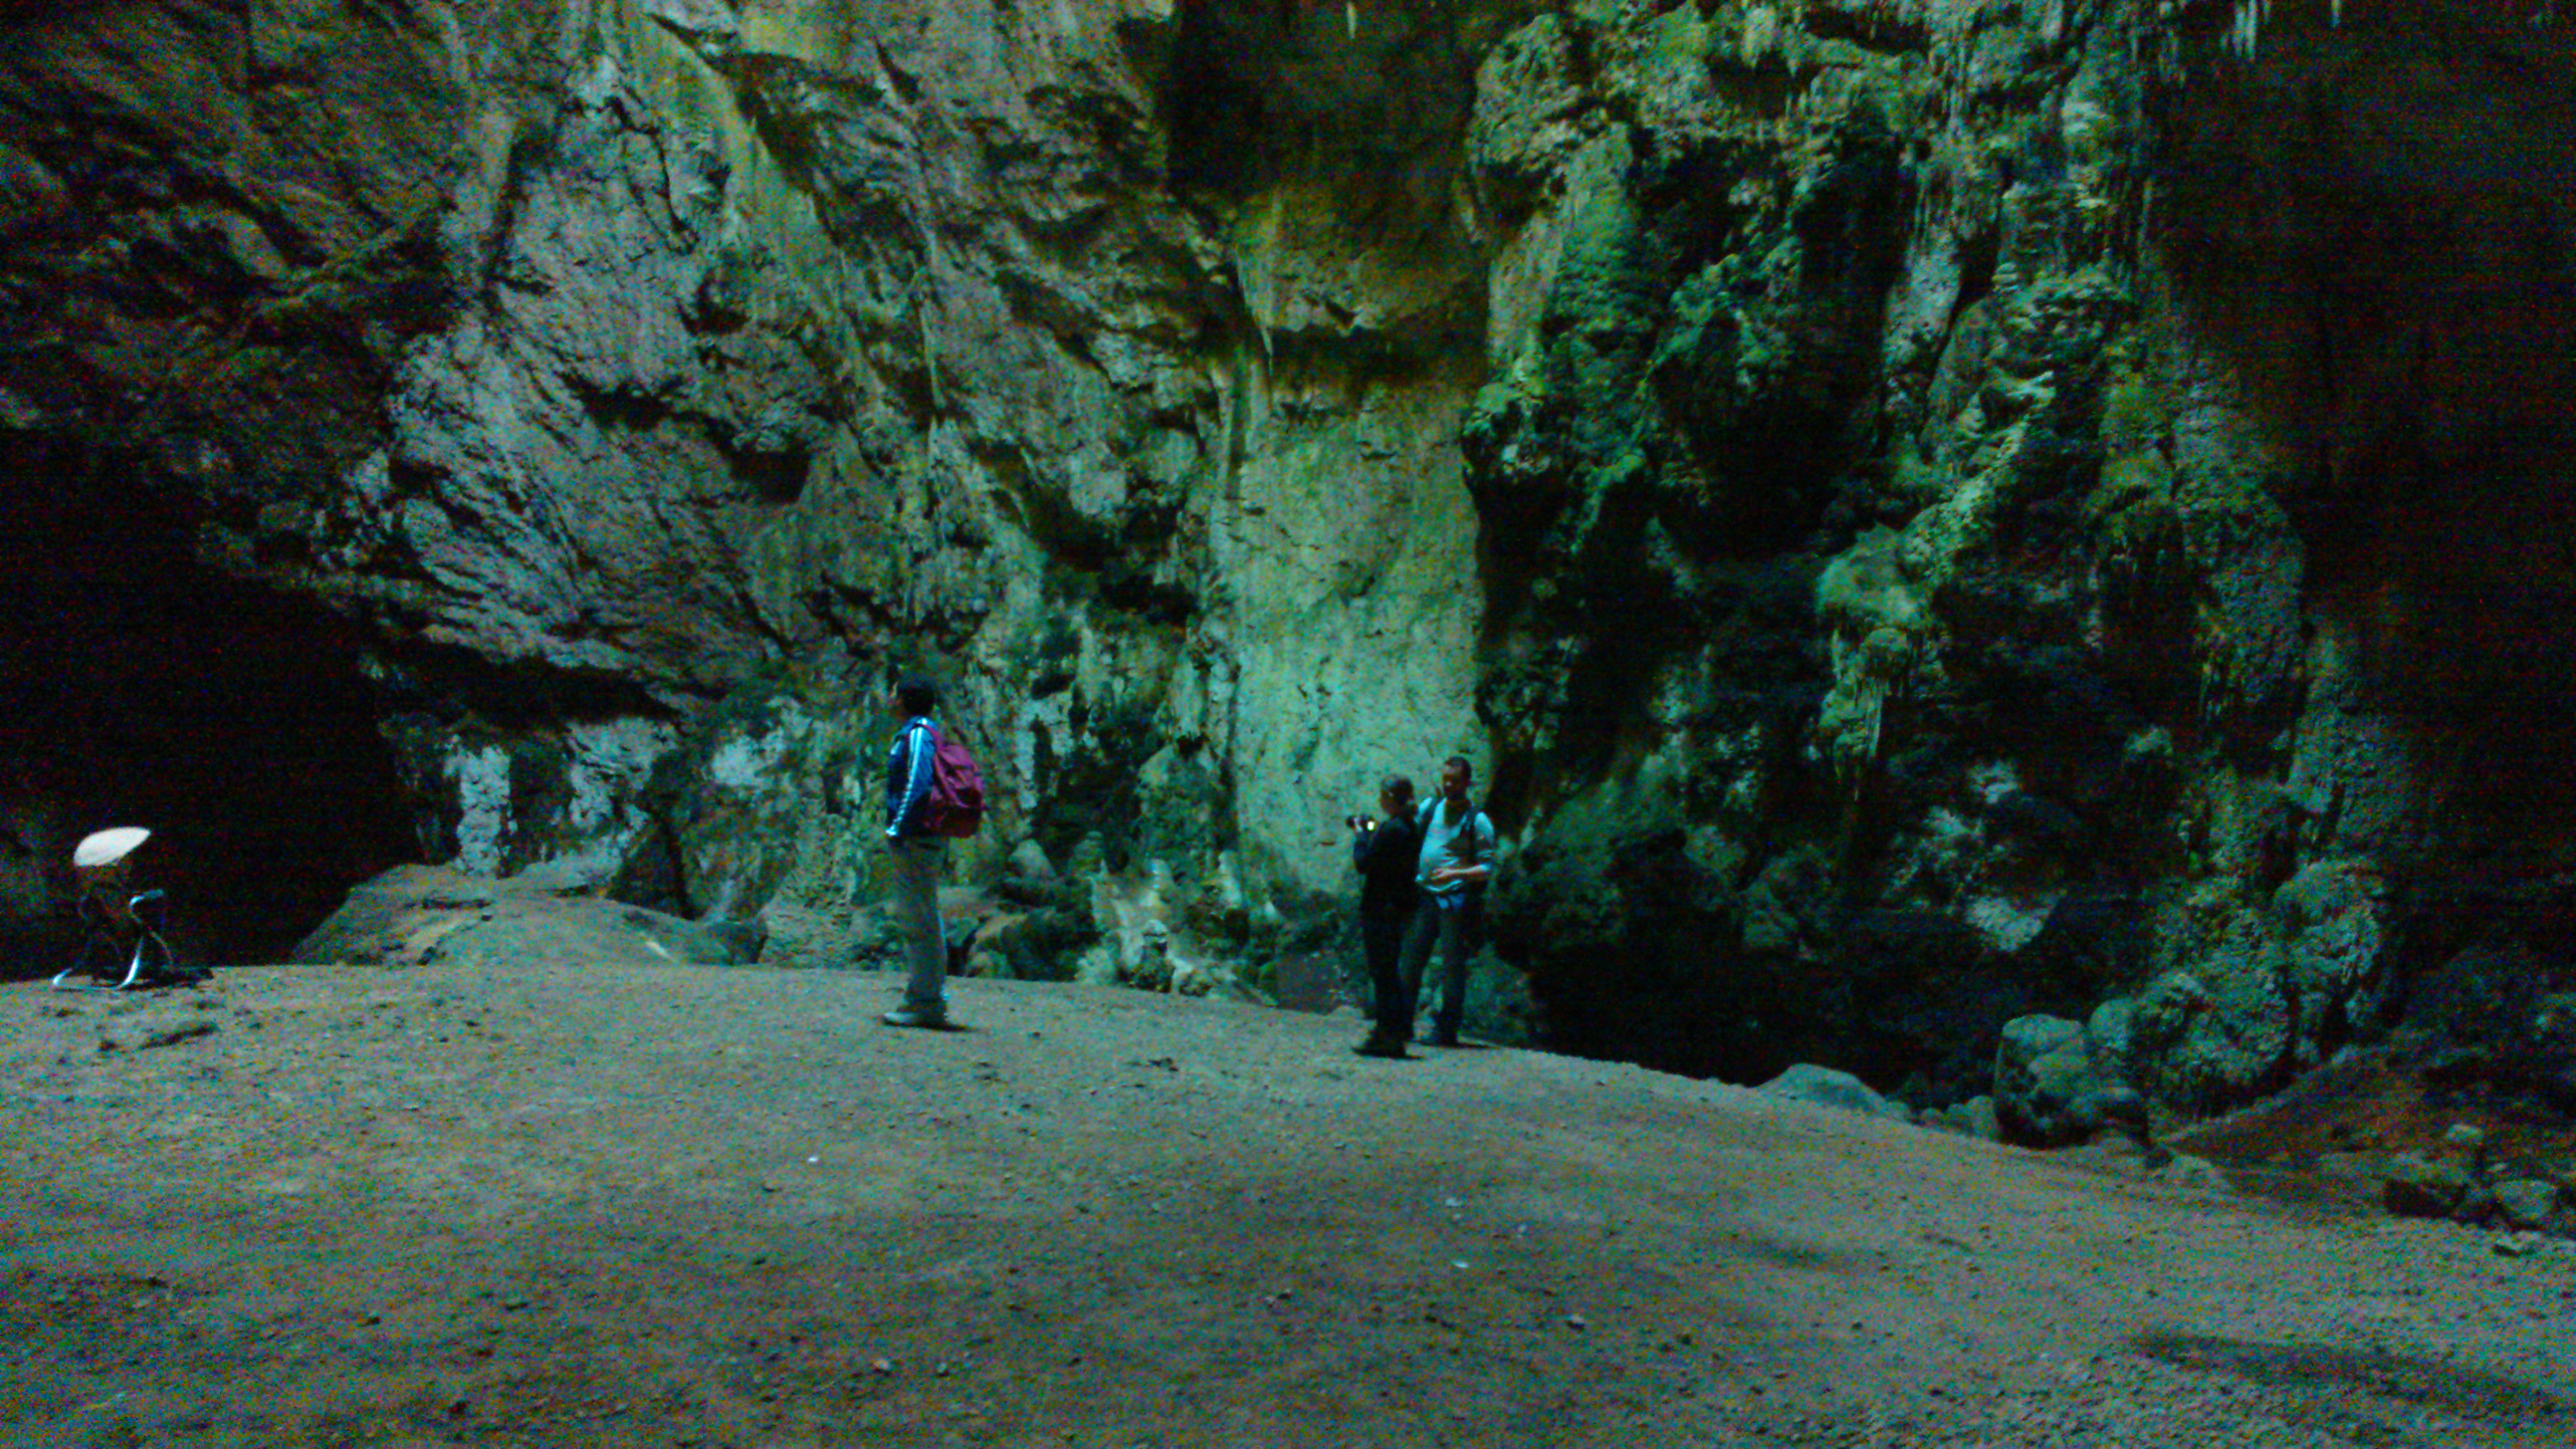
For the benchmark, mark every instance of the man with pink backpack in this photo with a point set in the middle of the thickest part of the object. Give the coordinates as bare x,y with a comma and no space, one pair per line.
934,794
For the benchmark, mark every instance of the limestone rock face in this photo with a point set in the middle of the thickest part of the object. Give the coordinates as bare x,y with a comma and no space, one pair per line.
1923,514
654,380
1964,548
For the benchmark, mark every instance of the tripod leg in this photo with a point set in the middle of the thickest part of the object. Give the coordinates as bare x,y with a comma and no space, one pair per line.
159,962
134,967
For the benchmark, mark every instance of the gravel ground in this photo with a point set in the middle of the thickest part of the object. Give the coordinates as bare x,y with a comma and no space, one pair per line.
453,1205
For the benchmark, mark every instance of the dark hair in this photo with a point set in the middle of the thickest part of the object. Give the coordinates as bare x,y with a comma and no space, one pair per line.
1397,786
917,695
1466,767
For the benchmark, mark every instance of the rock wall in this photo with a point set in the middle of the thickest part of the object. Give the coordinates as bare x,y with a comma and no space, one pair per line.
653,380
2017,509
1928,511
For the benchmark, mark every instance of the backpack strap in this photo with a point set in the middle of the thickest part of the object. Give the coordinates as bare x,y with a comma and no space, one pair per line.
1466,827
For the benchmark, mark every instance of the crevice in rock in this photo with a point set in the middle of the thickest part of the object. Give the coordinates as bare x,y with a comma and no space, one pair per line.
417,676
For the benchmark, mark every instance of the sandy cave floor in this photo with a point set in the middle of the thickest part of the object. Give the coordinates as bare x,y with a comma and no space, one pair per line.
453,1205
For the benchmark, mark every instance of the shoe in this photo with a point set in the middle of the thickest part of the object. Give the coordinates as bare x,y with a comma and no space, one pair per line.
1444,1039
906,1016
1378,1046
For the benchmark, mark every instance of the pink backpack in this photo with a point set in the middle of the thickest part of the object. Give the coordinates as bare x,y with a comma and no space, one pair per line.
955,807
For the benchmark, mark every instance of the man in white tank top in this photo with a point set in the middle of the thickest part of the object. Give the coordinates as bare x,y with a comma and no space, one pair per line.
1456,861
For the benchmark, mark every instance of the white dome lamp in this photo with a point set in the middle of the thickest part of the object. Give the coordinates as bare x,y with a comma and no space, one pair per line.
108,847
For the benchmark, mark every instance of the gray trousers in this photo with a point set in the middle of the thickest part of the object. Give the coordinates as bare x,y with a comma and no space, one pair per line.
917,863
1455,928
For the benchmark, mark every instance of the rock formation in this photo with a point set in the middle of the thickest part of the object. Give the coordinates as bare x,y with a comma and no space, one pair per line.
1928,512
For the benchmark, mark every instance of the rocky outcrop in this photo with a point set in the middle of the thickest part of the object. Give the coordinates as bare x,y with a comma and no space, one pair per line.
2466,1181
1951,464
1825,1087
2050,1088
653,380
1927,512
427,915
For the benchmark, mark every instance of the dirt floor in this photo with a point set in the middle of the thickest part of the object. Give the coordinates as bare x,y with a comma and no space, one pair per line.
461,1205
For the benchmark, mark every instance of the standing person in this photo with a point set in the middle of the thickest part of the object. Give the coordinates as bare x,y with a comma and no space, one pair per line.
1386,854
917,857
1455,859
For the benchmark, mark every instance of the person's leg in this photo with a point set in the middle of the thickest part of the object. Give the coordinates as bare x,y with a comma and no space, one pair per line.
1382,940
1428,985
916,909
1457,946
1420,935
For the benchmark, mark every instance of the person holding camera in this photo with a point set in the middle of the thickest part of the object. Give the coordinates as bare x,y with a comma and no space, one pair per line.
1385,851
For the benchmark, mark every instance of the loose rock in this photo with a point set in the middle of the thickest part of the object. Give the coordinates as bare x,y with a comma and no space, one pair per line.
2047,1092
2527,1202
1825,1087
2413,1186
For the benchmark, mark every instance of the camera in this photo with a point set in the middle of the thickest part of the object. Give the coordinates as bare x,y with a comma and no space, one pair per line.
1360,822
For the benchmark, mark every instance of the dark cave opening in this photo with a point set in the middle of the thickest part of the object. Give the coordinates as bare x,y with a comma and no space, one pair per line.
2385,270
145,689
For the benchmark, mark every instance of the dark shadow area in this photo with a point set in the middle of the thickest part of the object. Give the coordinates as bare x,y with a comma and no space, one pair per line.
1372,104
2389,1378
145,690
2373,225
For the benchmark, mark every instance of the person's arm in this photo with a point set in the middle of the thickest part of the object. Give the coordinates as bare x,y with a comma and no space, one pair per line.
898,782
1483,828
908,779
1483,869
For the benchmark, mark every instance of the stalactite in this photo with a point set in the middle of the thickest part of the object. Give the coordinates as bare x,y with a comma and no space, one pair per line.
2248,33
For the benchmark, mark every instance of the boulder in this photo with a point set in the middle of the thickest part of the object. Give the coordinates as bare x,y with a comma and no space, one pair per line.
1825,1087
1029,862
2527,1202
2415,1186
2193,1174
989,950
2203,1040
2111,1032
2331,922
1499,1007
848,938
415,915
1974,1117
2494,1019
2047,1092
1984,1122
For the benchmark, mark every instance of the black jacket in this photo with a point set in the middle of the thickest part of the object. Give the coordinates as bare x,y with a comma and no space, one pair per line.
1387,859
